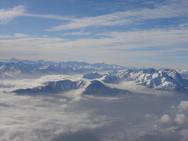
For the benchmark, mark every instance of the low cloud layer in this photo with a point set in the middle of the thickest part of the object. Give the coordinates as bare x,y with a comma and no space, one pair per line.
66,117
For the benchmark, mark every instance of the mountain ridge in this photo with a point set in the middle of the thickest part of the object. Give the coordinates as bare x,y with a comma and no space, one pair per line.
160,79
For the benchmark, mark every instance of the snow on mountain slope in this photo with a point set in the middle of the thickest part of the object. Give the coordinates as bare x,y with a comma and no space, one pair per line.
52,87
184,73
8,71
163,79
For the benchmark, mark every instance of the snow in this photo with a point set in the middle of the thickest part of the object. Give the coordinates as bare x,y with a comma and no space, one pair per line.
163,79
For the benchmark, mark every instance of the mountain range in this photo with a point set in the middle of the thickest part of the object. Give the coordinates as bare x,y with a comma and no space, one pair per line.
99,75
13,67
163,79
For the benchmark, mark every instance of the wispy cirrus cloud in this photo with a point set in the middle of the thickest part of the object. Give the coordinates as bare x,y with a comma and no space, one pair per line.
127,17
166,11
11,13
48,16
104,20
117,40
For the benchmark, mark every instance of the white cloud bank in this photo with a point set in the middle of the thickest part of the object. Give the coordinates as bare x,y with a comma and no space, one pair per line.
117,46
183,106
165,119
181,119
178,117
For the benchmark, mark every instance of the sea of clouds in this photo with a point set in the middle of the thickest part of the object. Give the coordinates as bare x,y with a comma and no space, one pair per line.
72,116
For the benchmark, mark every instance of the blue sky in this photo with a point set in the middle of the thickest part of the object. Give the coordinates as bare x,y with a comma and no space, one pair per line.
135,33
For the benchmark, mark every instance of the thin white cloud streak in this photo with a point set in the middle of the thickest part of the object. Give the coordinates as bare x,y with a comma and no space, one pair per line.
6,15
104,20
11,13
154,37
125,17
116,40
48,16
20,35
77,33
